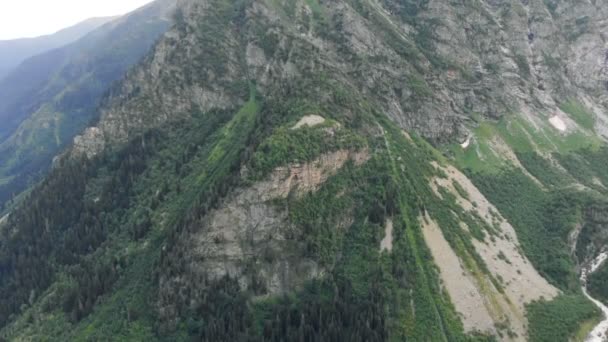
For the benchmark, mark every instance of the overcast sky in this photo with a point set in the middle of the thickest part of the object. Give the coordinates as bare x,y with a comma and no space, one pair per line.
31,18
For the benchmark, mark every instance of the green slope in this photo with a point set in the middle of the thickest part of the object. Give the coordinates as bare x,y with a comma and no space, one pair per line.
116,246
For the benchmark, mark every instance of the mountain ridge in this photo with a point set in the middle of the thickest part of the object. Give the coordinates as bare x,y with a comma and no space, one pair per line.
51,97
15,51
197,205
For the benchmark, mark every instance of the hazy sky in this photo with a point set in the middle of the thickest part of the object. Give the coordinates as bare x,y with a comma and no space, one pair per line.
30,18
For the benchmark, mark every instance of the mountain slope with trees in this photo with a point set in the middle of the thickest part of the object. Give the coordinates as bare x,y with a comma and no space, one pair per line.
51,97
286,170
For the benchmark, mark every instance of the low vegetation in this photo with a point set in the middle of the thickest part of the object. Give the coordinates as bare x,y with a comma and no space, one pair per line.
559,319
597,284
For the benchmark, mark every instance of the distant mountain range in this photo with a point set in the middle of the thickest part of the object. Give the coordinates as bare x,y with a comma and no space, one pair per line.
15,51
51,97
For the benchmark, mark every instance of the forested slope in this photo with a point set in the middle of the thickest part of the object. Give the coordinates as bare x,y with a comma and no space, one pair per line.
311,170
52,97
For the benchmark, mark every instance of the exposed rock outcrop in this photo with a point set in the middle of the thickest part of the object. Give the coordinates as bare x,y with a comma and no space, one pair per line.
90,143
249,237
427,72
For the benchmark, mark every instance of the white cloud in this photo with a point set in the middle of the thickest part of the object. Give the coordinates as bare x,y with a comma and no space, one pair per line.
30,18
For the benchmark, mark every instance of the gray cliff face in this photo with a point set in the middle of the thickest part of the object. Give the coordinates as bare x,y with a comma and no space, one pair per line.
162,89
431,68
251,239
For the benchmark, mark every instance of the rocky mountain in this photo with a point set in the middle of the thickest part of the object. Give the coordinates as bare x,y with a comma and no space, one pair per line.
13,52
51,97
348,170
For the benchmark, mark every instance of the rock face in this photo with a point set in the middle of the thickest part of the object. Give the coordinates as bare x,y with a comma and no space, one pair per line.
164,88
250,239
428,66
90,143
